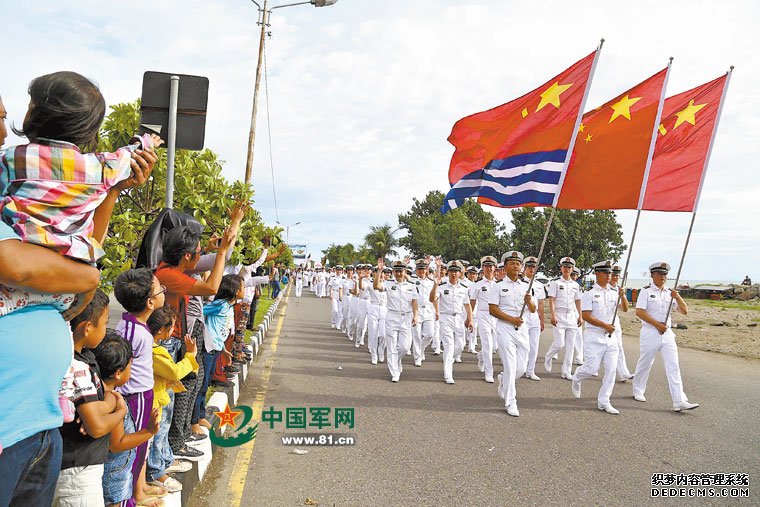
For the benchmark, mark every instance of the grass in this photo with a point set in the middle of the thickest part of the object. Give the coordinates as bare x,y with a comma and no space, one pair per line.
261,312
731,303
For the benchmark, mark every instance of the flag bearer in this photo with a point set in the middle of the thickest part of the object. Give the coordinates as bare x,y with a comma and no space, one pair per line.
479,294
361,291
534,321
565,309
348,285
451,302
598,307
402,314
505,303
657,336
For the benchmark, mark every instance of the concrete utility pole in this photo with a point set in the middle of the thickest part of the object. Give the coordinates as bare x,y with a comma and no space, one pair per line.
264,15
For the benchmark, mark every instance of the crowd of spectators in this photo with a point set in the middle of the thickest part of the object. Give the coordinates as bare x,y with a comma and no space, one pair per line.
99,416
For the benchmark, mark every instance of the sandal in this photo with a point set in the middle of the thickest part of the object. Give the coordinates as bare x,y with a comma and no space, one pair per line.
151,502
157,491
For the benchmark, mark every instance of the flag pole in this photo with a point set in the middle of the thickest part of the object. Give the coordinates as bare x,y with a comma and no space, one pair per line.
643,190
570,148
701,183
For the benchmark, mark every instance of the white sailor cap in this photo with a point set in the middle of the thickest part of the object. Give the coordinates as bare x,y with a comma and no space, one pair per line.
512,255
576,271
603,266
455,266
567,261
531,261
659,267
488,260
616,269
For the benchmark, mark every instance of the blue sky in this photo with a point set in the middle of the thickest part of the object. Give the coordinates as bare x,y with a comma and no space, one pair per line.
363,95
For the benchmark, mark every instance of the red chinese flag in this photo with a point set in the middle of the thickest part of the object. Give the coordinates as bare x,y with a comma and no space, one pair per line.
686,128
608,163
541,120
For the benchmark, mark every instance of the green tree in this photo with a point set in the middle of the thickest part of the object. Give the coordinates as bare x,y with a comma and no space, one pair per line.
199,190
587,236
468,232
381,241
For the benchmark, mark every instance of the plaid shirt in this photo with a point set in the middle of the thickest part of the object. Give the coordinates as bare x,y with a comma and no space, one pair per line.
50,191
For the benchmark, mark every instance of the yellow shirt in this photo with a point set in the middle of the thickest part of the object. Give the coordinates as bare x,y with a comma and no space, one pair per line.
167,374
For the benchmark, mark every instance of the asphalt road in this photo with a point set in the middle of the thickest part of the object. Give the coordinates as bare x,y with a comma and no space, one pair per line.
423,442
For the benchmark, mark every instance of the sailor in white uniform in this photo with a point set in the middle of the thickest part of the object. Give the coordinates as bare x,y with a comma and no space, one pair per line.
452,303
401,316
565,309
506,302
657,336
598,307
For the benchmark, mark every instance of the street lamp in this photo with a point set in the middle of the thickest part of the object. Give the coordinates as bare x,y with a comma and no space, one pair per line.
264,15
287,227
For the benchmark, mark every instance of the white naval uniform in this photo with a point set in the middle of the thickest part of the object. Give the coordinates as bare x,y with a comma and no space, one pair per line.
451,315
398,321
655,302
622,366
299,284
422,333
348,302
534,325
335,286
378,309
479,292
465,283
513,343
565,294
601,348
362,310
472,336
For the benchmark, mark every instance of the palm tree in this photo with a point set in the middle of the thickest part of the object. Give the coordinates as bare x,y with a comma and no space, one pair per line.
381,241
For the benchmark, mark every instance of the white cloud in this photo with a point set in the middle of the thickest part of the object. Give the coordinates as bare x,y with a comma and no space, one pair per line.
363,94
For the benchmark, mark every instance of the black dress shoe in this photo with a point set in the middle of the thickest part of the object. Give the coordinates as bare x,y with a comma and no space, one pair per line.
220,383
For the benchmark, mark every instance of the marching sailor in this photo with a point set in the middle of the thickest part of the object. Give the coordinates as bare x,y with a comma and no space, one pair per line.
657,336
401,315
565,310
506,303
422,333
535,321
451,302
486,324
598,307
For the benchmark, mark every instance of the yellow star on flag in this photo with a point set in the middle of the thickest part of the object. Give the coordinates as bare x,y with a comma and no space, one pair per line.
588,138
581,127
524,112
662,129
551,95
687,115
623,107
227,417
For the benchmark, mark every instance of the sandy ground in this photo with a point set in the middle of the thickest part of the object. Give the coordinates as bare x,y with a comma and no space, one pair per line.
735,338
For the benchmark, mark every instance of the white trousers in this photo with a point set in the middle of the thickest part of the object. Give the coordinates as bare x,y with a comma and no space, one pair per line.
650,343
398,339
422,336
452,339
321,289
436,345
487,332
360,322
472,337
299,288
376,331
345,306
337,313
534,333
513,352
622,365
564,337
600,350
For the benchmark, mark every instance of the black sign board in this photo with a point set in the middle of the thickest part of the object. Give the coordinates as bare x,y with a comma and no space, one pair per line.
192,101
